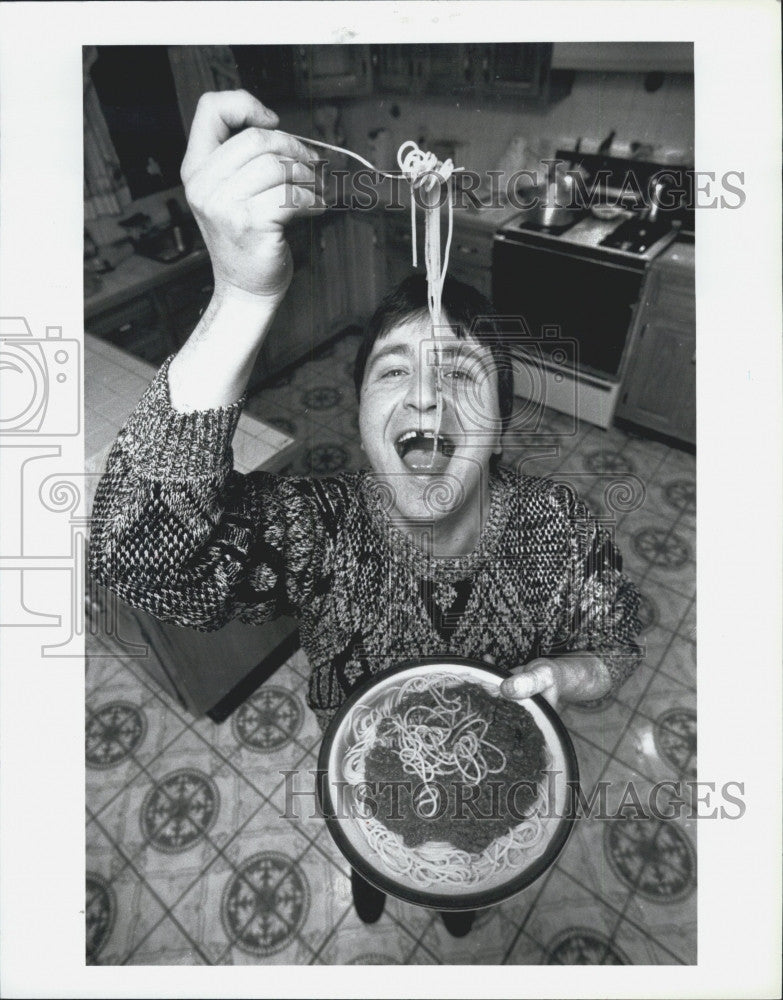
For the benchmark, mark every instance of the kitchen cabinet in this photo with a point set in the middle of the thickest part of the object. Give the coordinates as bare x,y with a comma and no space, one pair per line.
157,322
204,672
659,390
399,69
367,263
267,71
496,70
624,57
328,71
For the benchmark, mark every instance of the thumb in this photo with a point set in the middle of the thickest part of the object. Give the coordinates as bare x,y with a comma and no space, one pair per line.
528,682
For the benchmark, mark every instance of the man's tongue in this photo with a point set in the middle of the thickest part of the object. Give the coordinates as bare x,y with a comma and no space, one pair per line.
421,455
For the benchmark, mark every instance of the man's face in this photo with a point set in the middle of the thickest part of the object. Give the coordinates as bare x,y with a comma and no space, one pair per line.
430,478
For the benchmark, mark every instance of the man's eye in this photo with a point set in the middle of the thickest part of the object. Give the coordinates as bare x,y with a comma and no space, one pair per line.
393,373
459,375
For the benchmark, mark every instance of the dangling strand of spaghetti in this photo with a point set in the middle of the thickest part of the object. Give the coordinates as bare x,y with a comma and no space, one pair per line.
425,171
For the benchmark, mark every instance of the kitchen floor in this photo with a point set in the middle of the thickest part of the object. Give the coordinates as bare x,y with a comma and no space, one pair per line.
189,860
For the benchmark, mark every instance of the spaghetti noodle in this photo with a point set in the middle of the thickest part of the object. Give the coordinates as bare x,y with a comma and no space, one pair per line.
433,731
424,172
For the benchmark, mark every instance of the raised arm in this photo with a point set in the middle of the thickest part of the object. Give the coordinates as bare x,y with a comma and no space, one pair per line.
244,181
175,530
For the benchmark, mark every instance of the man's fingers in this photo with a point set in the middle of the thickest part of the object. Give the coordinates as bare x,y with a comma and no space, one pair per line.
269,171
285,202
217,116
251,144
528,683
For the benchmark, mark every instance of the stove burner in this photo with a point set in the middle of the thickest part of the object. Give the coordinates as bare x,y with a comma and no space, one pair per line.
636,235
551,230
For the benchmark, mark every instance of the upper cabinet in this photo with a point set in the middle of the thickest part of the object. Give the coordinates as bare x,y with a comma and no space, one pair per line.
399,69
624,57
476,69
327,71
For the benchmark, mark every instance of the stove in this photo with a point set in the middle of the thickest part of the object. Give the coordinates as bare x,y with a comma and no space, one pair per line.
575,286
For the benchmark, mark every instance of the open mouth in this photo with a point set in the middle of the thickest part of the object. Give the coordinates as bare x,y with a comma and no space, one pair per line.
423,451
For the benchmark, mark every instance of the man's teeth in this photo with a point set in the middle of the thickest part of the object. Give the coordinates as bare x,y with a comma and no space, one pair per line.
412,439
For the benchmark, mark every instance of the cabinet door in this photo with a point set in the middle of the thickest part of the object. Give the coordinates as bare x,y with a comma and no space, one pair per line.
267,71
519,69
366,265
332,290
294,328
138,327
399,69
324,71
660,391
449,69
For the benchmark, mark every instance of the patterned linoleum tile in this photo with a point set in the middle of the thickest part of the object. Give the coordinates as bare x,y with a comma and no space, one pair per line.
647,456
680,661
356,943
671,558
299,664
280,889
591,761
661,750
199,910
525,951
585,859
122,686
540,462
205,794
665,694
654,643
489,940
269,768
318,395
114,729
163,728
572,926
633,689
127,909
641,949
328,453
166,945
667,606
100,667
600,726
688,625
671,923
103,857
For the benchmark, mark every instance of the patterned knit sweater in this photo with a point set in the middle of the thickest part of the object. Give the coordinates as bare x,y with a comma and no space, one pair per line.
178,533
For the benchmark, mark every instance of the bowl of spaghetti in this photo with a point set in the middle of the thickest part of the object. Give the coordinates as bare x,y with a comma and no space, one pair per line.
440,791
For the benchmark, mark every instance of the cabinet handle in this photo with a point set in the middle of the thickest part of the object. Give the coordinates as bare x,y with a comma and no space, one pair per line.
126,327
463,249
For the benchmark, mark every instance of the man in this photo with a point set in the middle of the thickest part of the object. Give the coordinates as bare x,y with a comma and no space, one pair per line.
435,550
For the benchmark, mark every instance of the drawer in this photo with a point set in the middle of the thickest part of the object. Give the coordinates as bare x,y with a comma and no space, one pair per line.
191,292
471,247
139,313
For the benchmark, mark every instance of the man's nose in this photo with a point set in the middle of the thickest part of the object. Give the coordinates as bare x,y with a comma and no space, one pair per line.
422,392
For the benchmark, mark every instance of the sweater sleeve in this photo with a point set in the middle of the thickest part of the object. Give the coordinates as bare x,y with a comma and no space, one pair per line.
595,606
175,531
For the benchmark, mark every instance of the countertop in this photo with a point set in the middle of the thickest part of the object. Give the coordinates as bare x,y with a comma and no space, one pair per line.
113,384
136,275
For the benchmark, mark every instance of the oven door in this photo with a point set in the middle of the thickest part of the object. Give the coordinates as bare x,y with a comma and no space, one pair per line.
578,309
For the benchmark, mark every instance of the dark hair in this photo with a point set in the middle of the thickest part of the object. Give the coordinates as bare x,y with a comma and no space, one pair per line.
469,313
